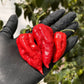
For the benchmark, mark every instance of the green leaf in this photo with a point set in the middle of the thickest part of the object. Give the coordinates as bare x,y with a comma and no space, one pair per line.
33,18
79,72
18,10
39,3
1,24
76,81
30,16
55,5
52,82
55,67
66,82
34,2
27,0
23,31
27,11
28,29
82,1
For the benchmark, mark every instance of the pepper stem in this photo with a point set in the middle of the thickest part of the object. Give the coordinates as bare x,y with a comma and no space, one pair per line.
37,21
68,30
28,28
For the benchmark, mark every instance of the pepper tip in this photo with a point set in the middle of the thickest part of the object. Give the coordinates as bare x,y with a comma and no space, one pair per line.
47,66
41,71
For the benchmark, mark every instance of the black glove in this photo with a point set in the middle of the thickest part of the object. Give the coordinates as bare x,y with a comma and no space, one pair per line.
13,69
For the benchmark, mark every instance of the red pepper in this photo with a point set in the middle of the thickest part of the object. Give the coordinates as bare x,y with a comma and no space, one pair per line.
29,51
44,38
60,44
42,50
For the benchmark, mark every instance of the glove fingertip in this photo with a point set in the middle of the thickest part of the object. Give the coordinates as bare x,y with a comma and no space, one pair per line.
72,14
62,10
73,39
71,42
53,17
12,17
74,26
13,21
10,26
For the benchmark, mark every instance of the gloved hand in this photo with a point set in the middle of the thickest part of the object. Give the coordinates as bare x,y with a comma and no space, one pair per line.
13,69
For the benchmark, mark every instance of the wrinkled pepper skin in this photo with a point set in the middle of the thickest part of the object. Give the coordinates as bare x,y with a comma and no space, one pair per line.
44,37
60,40
29,51
41,46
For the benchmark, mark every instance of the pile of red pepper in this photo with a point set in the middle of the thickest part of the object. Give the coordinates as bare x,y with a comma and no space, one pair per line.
41,46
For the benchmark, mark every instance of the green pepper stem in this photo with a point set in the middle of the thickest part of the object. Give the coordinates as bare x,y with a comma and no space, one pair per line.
68,30
28,28
37,21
